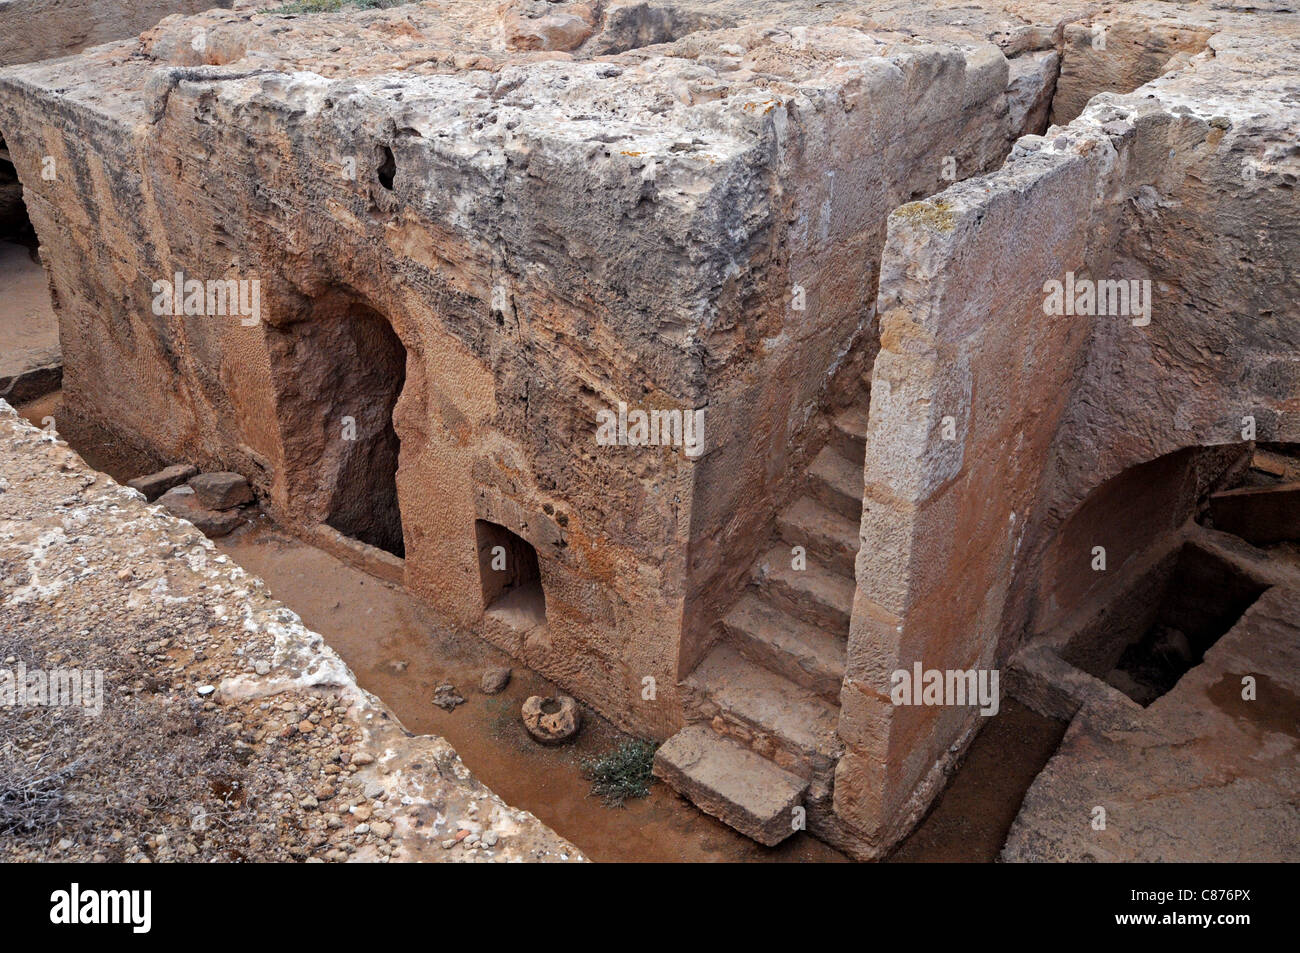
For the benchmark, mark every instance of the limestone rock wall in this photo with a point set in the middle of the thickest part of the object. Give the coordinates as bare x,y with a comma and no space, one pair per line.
548,236
509,355
558,208
1188,184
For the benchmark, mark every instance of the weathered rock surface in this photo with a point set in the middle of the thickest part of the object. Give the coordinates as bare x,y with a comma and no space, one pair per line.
33,30
154,485
296,761
184,503
222,490
735,785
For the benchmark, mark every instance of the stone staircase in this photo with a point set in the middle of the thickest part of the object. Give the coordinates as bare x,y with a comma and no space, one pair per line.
764,703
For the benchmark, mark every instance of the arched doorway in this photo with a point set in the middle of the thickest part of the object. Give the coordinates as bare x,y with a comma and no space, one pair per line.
338,375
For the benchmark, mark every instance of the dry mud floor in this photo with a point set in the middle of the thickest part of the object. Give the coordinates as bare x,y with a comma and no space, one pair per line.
401,654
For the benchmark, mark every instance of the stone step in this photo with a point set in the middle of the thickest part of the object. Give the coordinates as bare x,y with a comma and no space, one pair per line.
836,482
808,655
830,536
849,433
797,724
740,788
815,594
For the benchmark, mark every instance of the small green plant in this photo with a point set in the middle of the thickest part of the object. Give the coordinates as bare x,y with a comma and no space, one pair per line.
333,6
621,773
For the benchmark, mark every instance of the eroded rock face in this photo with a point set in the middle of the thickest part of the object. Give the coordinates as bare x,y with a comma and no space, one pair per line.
541,25
1118,53
264,725
431,245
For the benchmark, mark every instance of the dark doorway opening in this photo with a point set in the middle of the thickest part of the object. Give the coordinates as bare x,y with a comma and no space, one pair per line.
338,371
364,502
14,223
510,576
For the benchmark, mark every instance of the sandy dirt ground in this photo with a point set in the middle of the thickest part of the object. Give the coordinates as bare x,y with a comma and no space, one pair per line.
29,332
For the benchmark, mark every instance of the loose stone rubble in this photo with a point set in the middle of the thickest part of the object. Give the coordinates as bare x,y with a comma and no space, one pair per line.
394,266
154,485
228,731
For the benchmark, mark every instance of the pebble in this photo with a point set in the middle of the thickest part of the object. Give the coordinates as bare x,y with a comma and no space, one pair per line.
206,690
495,680
447,698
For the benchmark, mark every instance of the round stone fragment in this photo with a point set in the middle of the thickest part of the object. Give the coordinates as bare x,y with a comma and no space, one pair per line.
551,720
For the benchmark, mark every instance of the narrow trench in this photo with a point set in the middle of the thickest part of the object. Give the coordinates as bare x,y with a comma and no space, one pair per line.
970,819
400,652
